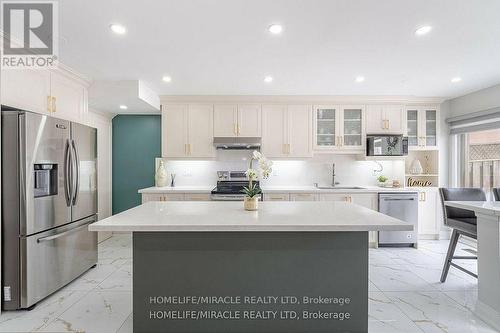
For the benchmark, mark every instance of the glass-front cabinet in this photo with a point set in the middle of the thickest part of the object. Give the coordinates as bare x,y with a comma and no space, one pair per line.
339,127
422,127
326,127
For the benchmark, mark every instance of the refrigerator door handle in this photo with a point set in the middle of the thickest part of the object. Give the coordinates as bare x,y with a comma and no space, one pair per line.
64,233
77,171
67,175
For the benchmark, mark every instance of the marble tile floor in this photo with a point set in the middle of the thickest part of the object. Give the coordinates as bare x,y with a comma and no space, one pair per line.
405,295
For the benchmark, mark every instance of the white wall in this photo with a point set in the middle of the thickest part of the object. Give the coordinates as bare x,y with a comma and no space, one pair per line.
318,169
477,101
444,145
102,122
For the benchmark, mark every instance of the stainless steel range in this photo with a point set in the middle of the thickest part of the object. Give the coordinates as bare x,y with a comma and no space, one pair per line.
230,185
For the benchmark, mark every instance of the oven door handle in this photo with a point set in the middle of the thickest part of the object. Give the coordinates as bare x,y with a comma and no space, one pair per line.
62,234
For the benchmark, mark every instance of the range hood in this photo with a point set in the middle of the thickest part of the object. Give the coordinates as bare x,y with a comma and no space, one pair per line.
237,143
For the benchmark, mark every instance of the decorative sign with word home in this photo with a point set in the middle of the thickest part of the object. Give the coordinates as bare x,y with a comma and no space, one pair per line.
418,182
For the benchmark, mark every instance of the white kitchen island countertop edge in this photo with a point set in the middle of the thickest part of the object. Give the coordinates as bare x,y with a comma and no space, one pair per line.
209,216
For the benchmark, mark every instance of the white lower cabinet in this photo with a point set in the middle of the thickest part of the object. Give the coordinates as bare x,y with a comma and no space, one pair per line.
276,197
429,215
175,197
197,197
304,197
334,197
368,200
146,197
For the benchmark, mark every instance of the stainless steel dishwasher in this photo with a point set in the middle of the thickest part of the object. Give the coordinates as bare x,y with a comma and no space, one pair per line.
403,206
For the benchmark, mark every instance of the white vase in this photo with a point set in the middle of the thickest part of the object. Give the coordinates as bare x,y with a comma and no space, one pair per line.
416,167
161,177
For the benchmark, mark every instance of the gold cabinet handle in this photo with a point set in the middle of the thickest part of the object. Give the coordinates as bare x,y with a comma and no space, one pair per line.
54,105
288,148
189,149
388,123
239,129
235,129
49,104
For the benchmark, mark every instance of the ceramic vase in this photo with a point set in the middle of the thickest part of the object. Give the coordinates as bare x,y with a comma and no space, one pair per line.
251,203
416,167
161,177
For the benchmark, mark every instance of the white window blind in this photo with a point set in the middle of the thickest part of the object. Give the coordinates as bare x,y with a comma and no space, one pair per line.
473,122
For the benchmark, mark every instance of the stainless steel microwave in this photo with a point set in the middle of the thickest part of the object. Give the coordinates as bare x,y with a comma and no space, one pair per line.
386,145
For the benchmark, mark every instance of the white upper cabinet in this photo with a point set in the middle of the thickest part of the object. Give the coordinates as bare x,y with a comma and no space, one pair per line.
200,131
352,127
299,121
249,120
326,126
225,120
384,119
231,120
26,89
339,128
69,98
422,127
187,131
174,130
58,93
287,131
275,131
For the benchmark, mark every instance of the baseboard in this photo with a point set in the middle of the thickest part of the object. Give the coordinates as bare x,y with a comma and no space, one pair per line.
445,234
428,237
488,314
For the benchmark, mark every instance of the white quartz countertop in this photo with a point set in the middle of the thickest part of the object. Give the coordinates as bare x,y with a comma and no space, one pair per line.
177,189
278,189
210,216
482,207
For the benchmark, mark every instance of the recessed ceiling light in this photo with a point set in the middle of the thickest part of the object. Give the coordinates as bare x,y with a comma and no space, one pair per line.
166,78
423,30
456,79
268,79
118,29
123,107
360,79
275,29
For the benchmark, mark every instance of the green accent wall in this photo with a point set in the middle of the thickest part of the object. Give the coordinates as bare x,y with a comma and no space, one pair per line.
136,144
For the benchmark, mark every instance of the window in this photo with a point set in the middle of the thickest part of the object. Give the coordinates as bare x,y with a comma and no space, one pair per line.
481,159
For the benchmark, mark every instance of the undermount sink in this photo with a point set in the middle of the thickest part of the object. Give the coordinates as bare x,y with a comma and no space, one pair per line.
340,188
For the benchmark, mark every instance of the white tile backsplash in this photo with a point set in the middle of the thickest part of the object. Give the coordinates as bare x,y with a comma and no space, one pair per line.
318,169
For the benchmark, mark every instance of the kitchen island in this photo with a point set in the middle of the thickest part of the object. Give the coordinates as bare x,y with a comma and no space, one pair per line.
214,267
488,257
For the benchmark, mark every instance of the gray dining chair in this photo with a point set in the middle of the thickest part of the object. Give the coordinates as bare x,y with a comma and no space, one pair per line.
496,193
462,221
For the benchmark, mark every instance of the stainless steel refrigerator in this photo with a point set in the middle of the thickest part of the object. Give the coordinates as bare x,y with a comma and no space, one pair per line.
49,197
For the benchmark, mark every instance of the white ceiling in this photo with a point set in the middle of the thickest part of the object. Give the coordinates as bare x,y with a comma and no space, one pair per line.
223,46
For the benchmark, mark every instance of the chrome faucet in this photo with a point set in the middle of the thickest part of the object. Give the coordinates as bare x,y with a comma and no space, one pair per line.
333,176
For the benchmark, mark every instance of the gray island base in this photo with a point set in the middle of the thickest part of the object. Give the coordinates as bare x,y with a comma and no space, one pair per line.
213,267
250,282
